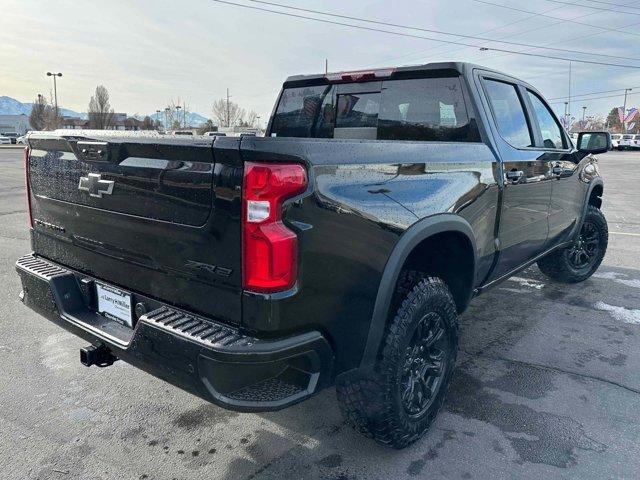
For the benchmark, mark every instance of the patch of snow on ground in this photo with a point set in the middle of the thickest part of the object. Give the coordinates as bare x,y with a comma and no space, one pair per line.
619,278
622,314
528,282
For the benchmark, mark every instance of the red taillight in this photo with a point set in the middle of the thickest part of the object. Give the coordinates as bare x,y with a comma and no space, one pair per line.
359,75
270,249
28,190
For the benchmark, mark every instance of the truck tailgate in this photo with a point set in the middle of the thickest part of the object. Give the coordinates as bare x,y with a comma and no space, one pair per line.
156,215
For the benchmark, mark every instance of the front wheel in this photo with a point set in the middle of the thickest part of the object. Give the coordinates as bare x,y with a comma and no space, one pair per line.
579,261
397,403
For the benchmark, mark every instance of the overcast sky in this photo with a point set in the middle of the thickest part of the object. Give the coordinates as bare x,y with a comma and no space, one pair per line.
148,52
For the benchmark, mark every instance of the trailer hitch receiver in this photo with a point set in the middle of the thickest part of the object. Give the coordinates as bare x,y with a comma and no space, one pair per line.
100,356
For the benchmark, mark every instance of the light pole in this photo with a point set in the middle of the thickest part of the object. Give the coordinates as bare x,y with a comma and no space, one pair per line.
258,121
584,110
184,114
157,118
566,115
166,113
569,103
178,107
624,110
55,88
228,115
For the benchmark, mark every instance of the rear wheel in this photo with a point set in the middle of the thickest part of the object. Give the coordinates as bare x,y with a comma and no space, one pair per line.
579,261
397,403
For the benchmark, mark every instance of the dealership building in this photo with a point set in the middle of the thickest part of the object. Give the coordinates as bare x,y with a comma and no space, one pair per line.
14,124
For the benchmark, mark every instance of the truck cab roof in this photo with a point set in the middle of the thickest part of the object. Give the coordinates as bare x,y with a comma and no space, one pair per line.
453,68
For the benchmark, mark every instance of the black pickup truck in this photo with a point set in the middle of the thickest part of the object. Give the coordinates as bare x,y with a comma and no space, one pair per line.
340,249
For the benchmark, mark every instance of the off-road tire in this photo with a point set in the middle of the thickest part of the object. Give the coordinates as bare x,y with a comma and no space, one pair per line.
373,404
558,265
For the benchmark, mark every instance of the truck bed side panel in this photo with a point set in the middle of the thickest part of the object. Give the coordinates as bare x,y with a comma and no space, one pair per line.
365,195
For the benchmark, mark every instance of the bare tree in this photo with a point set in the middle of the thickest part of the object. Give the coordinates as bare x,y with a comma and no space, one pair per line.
176,113
206,127
43,116
169,116
100,111
147,123
226,113
39,113
251,119
53,119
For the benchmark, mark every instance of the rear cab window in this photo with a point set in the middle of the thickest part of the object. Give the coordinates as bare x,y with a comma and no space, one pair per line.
302,111
421,109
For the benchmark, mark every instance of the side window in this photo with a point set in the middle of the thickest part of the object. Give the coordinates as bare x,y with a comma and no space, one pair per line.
549,128
426,109
509,113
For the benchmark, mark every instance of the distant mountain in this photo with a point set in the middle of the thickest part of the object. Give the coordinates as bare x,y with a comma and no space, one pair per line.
193,119
11,106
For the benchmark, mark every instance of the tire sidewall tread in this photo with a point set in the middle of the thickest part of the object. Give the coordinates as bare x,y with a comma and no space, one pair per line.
371,405
556,265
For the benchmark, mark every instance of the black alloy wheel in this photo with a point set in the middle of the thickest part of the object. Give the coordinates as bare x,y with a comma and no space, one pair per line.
424,365
586,248
580,259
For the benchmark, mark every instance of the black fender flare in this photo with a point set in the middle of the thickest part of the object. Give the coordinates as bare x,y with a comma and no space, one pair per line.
597,181
415,234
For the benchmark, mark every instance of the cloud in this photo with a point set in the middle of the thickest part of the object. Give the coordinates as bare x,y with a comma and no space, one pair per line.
147,52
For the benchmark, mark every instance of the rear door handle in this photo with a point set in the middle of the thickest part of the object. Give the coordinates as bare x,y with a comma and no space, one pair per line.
514,176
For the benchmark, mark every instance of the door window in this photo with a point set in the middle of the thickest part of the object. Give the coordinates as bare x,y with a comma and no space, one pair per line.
509,113
549,128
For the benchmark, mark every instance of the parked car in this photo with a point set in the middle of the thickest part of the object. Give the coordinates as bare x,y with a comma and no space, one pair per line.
22,140
635,142
615,140
339,249
625,142
5,140
13,136
215,134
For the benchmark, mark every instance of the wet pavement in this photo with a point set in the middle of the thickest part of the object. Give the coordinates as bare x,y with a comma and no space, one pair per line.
547,386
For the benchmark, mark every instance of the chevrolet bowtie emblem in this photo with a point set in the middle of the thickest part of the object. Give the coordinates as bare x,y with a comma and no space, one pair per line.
96,187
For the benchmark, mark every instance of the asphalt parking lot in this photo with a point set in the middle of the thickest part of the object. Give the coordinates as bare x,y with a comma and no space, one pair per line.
547,386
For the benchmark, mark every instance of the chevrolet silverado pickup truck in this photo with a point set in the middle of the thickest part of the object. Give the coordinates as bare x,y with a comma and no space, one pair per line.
340,249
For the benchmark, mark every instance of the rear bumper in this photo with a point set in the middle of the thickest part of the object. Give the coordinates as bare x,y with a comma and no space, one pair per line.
209,359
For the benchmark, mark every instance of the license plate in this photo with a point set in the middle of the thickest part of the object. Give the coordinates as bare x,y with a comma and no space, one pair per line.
114,304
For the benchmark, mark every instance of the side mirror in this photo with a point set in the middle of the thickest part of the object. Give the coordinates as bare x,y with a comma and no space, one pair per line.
594,142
